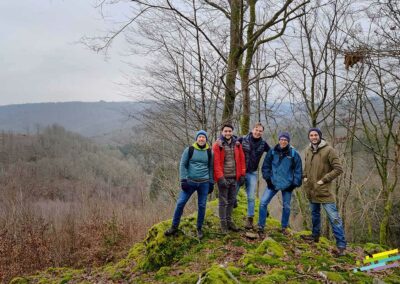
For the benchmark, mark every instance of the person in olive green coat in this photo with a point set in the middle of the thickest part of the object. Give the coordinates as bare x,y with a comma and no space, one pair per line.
321,167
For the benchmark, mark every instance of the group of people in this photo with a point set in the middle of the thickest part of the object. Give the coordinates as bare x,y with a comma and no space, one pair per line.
233,162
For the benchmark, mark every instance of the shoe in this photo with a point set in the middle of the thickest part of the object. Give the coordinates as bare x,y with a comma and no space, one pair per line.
285,231
315,239
224,228
261,232
171,231
200,234
232,226
341,252
249,223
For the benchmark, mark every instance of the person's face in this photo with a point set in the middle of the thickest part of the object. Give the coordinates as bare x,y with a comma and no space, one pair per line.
227,133
314,137
257,132
283,142
201,140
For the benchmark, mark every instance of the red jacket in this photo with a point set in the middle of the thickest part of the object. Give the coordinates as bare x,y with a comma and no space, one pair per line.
219,158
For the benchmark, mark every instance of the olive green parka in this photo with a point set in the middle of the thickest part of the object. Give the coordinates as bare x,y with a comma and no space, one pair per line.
321,164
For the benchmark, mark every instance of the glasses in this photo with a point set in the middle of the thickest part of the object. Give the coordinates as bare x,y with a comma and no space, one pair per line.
283,139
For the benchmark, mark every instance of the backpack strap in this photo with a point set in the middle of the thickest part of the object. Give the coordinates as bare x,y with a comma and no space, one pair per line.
209,157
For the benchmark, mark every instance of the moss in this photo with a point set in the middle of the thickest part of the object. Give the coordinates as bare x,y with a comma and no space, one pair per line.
358,277
271,247
234,270
335,277
162,272
252,269
371,248
186,278
19,280
216,275
261,259
162,251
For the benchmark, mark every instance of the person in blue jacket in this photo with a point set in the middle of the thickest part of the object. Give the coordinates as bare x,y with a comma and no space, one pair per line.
282,170
196,175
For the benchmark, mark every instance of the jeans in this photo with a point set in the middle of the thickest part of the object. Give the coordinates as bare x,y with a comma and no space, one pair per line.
202,192
250,187
334,220
226,200
266,199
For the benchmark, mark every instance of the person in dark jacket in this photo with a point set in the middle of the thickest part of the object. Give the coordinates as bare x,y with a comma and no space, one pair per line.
196,175
321,167
229,168
254,147
282,170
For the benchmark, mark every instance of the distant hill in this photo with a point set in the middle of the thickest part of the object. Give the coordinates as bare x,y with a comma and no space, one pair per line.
98,120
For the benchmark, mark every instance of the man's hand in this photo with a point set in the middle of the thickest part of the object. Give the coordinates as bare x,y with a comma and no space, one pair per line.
210,187
270,184
242,179
222,183
320,182
305,179
185,185
290,188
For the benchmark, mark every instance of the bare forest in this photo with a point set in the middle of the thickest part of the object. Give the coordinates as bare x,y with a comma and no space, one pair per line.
290,64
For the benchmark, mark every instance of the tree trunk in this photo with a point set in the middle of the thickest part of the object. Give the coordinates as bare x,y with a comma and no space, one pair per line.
233,60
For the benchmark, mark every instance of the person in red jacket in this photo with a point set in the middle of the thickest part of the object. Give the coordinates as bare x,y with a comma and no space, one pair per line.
229,168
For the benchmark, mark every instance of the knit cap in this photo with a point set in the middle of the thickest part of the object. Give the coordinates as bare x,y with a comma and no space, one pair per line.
316,130
201,132
284,134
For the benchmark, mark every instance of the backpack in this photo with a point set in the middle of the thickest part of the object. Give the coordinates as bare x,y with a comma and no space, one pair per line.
191,150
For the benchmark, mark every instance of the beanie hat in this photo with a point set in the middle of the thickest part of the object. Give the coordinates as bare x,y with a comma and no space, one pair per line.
284,134
316,130
201,132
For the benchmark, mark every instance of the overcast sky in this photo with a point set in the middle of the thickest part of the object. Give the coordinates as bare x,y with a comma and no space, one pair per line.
40,60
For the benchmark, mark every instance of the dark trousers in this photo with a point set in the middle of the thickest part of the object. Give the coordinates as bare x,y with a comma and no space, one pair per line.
226,199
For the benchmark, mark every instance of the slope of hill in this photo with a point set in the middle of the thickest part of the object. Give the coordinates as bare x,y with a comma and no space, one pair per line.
90,119
225,259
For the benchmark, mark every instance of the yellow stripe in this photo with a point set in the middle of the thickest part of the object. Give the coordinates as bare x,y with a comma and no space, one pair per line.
385,253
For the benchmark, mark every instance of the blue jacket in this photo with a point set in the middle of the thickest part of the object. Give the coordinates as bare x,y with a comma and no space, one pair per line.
283,167
196,168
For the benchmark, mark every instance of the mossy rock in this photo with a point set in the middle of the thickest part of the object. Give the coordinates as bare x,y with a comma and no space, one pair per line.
216,275
371,248
261,259
161,250
271,247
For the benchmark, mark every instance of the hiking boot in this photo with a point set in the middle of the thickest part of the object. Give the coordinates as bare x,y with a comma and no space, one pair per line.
249,223
261,232
171,231
232,226
341,252
315,239
224,227
200,234
285,231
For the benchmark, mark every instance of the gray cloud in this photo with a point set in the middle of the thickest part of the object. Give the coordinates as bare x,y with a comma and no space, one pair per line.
41,61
